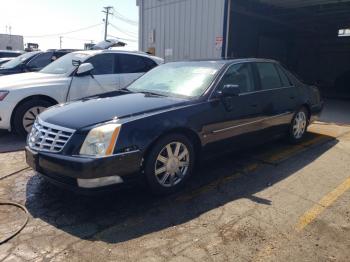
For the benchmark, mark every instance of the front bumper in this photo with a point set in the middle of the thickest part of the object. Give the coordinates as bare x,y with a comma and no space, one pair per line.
66,170
6,109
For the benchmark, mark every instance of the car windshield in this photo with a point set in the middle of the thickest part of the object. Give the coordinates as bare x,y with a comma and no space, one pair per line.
64,65
18,60
184,79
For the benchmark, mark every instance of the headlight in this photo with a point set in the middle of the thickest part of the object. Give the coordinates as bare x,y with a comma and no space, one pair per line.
101,140
3,94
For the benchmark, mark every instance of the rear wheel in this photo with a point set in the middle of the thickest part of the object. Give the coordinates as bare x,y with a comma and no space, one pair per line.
299,126
169,164
26,114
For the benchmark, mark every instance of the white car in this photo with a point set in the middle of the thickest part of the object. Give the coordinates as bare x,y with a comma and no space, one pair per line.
71,77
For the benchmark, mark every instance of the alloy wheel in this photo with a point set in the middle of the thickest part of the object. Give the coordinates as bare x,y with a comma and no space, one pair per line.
299,125
30,116
172,164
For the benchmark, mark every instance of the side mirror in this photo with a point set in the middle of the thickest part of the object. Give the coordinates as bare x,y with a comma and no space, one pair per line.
230,90
84,69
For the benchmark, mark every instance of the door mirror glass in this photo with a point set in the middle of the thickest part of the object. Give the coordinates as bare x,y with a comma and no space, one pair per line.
230,90
85,69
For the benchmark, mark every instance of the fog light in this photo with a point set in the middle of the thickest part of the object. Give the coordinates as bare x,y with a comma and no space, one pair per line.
99,182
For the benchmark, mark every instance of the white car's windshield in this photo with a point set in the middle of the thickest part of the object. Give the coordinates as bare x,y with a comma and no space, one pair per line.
64,65
18,60
184,79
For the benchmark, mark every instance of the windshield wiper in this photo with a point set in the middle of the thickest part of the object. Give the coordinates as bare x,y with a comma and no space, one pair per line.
125,89
151,93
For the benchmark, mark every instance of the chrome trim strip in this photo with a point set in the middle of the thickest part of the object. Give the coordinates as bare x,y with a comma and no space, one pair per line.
265,90
246,124
52,126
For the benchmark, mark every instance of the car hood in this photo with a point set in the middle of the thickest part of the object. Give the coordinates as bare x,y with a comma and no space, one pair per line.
89,112
27,80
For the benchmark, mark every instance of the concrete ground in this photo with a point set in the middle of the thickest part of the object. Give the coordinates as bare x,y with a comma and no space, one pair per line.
275,202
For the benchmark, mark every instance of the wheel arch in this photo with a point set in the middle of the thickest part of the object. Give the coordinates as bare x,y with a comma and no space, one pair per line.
32,97
189,133
308,108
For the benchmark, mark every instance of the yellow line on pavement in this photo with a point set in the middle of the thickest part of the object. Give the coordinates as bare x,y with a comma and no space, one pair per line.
325,202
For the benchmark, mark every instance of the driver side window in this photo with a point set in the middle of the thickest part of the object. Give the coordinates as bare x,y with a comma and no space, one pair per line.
241,75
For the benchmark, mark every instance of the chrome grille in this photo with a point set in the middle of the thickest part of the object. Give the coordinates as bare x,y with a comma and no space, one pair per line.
47,137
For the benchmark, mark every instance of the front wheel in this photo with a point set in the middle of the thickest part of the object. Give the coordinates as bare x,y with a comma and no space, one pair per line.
299,126
26,113
169,164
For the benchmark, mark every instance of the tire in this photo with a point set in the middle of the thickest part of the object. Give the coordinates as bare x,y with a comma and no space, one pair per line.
173,172
298,126
25,115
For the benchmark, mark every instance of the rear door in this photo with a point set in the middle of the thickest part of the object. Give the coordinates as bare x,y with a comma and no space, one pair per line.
104,78
278,96
130,67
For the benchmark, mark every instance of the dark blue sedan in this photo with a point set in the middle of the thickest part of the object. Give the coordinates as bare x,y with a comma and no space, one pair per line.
158,126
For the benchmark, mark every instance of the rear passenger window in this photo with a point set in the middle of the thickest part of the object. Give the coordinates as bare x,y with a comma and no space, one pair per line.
129,64
40,61
269,77
241,75
103,64
285,80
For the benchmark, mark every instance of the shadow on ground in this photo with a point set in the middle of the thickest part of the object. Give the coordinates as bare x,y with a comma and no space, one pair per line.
131,213
10,142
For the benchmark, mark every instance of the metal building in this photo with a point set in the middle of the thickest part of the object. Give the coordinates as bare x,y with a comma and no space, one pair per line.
187,29
312,38
11,42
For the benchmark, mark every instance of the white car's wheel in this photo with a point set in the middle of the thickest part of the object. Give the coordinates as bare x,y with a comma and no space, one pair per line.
26,113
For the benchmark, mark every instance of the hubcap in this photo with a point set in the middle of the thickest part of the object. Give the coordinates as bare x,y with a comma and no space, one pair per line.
30,116
299,125
172,164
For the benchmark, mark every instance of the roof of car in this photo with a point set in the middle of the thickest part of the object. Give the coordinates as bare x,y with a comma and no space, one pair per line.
93,52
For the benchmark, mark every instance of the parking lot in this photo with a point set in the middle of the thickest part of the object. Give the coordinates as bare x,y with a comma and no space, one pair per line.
275,202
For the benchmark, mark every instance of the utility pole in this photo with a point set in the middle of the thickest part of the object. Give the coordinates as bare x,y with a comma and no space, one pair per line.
107,12
61,42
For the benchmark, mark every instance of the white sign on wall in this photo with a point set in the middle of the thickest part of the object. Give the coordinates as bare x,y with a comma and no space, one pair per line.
168,52
218,42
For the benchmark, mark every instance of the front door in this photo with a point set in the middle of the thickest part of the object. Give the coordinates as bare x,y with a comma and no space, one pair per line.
103,80
235,116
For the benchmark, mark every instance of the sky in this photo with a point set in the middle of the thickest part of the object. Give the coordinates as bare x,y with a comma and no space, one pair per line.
44,21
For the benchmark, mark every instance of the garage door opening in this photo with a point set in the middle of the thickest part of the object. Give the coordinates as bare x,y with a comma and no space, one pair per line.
310,37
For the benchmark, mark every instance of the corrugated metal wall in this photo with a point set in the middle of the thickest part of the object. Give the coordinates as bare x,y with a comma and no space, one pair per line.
182,29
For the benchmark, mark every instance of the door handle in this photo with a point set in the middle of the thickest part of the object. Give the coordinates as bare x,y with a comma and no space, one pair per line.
292,97
254,105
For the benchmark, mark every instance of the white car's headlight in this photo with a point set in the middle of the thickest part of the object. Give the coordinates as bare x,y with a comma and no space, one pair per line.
3,94
101,140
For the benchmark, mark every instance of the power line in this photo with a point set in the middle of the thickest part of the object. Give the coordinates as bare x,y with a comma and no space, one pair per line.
124,19
124,31
65,33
